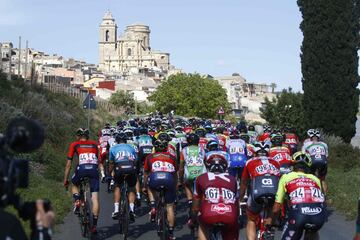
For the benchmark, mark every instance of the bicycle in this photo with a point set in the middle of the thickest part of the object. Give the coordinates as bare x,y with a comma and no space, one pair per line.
124,217
161,216
215,233
266,232
85,214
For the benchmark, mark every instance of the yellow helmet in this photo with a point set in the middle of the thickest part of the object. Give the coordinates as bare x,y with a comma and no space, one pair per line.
302,157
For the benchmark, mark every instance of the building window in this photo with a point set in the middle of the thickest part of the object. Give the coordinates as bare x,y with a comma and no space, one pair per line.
107,35
129,52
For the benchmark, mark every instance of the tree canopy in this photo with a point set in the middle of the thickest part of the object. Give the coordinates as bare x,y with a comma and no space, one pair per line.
190,95
285,110
329,63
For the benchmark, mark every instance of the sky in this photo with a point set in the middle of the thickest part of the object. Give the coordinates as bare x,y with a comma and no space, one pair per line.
258,39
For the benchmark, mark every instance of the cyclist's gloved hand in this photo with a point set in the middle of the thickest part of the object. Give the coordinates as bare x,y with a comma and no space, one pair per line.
66,183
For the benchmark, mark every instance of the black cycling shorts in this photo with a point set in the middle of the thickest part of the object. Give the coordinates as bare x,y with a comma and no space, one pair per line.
130,180
299,216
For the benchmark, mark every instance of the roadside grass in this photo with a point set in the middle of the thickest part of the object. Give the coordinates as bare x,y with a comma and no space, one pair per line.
60,115
343,176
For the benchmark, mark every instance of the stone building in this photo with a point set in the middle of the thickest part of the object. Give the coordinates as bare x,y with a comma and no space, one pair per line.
129,53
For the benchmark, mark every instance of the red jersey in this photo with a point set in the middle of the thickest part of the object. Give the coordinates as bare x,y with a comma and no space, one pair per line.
202,143
291,139
222,141
160,162
260,166
87,152
217,193
281,154
171,149
250,150
103,144
264,137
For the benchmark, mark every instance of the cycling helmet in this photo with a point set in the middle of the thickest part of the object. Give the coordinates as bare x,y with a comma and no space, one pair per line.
120,137
160,146
107,126
179,128
267,128
192,139
82,132
129,133
234,134
317,134
201,132
143,131
208,128
277,139
262,148
164,137
106,132
171,133
251,128
220,130
212,145
244,137
311,132
241,127
216,163
302,158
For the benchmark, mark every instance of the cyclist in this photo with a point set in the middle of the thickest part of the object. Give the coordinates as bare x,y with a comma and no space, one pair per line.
87,152
221,138
160,169
252,133
201,133
215,200
123,161
192,164
237,150
103,143
319,153
280,153
145,147
291,139
265,136
263,173
249,147
305,196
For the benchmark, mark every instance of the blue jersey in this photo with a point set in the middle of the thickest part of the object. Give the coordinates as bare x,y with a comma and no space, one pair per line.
238,152
122,153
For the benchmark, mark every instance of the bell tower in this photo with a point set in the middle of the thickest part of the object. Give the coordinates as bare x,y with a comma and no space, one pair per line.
107,40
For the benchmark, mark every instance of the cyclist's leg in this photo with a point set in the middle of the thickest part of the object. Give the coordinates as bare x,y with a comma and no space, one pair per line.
294,227
119,179
170,196
75,180
203,232
132,181
230,232
253,218
188,191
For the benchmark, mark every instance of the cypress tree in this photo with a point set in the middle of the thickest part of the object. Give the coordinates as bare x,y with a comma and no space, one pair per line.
329,64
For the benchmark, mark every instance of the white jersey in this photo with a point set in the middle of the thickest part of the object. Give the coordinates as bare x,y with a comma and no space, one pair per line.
316,148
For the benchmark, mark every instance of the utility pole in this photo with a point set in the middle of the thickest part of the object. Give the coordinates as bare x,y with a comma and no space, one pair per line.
19,64
10,57
26,59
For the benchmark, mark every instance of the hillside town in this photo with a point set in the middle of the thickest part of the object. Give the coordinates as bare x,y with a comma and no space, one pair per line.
126,62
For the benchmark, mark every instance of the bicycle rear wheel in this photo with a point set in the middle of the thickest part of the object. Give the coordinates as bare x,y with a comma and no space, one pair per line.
124,218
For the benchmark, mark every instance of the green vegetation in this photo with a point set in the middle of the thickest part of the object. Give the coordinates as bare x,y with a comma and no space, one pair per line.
190,95
330,64
343,175
285,110
126,100
60,115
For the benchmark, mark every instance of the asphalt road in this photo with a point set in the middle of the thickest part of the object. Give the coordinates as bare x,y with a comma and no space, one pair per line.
335,228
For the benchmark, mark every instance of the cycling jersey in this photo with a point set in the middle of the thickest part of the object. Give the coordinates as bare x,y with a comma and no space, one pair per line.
253,136
162,167
87,152
283,156
194,158
219,204
319,154
306,199
145,145
202,143
300,187
124,157
265,137
237,150
292,141
250,150
222,141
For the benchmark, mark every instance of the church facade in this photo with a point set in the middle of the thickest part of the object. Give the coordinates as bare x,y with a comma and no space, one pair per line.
129,53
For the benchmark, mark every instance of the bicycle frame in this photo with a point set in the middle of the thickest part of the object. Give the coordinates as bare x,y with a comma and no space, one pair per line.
264,232
161,216
216,232
124,209
85,211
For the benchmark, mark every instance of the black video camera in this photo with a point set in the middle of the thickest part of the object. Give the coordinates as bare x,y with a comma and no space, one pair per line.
21,136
